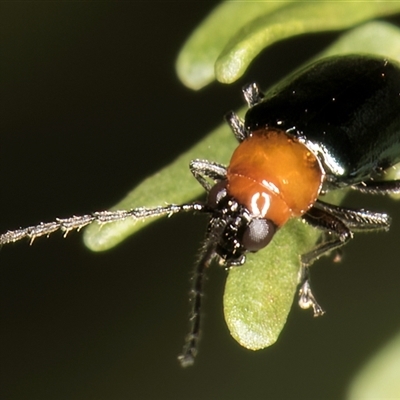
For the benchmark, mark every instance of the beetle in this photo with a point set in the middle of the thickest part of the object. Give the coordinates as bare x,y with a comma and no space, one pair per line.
334,124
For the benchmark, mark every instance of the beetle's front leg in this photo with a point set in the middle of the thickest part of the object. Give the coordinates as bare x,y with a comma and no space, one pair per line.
203,169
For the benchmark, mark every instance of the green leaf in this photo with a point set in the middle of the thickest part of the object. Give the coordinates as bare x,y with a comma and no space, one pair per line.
379,378
195,62
378,38
224,51
258,296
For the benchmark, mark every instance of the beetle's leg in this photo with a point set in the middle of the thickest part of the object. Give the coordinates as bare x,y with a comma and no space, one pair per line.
357,220
339,232
237,126
102,217
306,297
378,187
325,220
340,222
203,169
252,94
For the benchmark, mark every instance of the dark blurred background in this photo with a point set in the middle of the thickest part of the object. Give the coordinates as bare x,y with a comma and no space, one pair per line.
91,105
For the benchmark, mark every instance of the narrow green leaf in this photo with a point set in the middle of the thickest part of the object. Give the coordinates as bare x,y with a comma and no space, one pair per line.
223,51
294,19
196,60
258,295
376,37
379,378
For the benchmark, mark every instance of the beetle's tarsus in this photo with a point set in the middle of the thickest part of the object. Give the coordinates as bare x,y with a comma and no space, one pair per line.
186,359
307,299
237,126
252,94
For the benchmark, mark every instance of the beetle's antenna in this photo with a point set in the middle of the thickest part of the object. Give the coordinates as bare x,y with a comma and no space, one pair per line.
190,348
102,217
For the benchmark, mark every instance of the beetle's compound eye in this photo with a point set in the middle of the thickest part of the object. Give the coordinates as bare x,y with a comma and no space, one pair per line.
258,234
217,192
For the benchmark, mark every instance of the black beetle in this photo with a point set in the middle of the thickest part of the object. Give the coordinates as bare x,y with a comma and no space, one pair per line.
334,124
